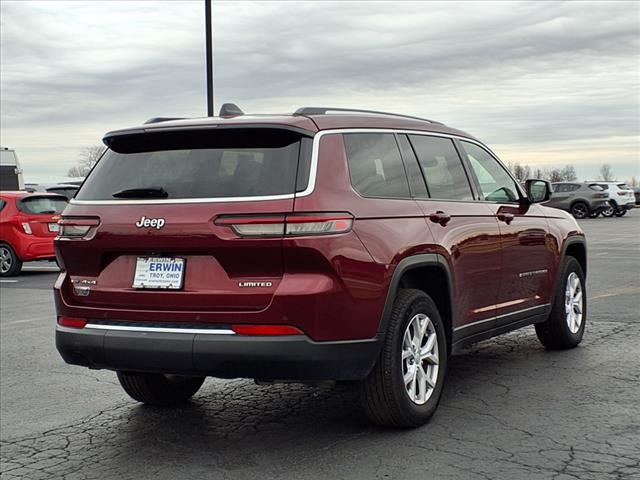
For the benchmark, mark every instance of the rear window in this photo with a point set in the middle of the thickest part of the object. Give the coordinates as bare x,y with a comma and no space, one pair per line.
623,186
42,205
209,166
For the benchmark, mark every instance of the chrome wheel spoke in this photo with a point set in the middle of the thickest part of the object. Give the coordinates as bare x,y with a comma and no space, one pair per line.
574,302
420,358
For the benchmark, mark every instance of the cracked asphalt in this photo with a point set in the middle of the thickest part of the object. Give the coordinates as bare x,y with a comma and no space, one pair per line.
510,409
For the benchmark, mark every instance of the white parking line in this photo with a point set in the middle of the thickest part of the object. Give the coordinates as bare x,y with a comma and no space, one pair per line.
7,281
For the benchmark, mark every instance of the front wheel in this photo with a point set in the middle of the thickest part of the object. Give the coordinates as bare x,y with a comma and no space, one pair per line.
565,326
158,389
621,213
405,385
609,211
594,214
10,264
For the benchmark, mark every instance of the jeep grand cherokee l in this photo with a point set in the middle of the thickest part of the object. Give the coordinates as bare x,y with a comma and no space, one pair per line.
323,245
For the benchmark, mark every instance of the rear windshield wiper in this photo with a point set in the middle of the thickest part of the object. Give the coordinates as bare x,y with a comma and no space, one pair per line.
150,192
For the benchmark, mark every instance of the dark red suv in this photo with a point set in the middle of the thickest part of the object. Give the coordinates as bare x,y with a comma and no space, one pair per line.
324,245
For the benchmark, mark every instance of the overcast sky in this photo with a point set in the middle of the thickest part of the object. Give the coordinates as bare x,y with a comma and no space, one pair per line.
542,82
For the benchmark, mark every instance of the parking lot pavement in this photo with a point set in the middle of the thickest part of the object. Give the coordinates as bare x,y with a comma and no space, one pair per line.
510,409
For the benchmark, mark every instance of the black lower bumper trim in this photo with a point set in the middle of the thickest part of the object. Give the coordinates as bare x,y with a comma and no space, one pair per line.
225,356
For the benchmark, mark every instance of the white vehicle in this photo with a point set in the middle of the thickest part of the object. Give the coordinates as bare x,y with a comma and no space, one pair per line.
621,198
10,171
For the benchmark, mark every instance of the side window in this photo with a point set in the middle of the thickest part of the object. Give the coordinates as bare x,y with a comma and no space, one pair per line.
442,168
375,165
416,180
2,204
573,187
495,183
559,187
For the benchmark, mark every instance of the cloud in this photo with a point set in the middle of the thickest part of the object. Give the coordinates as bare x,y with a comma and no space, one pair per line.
516,74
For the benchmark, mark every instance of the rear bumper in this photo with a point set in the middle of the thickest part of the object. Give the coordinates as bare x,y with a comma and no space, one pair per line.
225,356
30,248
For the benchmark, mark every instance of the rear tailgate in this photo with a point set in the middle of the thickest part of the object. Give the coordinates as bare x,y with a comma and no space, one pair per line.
170,189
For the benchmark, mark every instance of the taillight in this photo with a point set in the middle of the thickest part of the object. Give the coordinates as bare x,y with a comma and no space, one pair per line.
76,227
289,225
27,228
266,330
72,322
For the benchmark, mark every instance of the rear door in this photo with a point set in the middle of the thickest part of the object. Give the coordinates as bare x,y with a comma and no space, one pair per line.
465,229
187,207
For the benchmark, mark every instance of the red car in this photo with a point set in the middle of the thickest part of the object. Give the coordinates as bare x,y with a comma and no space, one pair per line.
28,225
354,246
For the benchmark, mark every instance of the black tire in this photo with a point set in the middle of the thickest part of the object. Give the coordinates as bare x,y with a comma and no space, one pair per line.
10,264
383,393
555,333
594,214
158,389
621,213
609,211
580,210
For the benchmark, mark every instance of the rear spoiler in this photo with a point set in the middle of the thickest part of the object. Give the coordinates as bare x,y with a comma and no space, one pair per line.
175,137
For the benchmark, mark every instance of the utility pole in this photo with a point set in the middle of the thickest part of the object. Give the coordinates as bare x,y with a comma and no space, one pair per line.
209,40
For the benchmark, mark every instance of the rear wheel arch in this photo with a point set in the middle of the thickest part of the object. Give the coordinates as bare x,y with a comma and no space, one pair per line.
429,273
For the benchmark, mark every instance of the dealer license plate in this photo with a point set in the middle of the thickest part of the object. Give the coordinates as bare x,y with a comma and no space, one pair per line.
159,272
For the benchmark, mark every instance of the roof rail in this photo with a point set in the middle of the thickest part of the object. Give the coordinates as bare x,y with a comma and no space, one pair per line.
162,119
324,110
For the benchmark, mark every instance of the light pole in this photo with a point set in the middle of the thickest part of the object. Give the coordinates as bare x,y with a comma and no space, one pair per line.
209,40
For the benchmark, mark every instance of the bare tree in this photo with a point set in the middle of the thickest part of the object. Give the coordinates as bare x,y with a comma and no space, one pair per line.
521,172
87,158
539,174
554,175
606,174
633,182
569,174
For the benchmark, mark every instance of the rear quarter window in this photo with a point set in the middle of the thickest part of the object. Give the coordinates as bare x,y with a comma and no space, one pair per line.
375,165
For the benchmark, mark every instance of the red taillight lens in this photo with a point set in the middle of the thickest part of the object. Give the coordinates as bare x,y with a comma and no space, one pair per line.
76,227
289,225
266,330
72,322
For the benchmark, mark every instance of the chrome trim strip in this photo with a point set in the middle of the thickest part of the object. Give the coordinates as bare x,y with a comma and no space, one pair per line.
125,328
312,174
500,316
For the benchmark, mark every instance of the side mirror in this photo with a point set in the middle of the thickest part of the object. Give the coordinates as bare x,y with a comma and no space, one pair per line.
538,190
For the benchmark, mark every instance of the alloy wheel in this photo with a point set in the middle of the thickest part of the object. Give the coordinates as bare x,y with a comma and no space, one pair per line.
5,260
573,305
580,211
420,359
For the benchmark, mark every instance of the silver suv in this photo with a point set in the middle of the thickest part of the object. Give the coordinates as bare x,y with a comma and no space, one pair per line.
582,200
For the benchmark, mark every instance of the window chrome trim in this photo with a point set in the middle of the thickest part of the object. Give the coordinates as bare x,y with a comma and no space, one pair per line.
312,173
125,328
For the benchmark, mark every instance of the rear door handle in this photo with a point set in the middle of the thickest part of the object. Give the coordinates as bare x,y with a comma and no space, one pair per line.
440,217
506,217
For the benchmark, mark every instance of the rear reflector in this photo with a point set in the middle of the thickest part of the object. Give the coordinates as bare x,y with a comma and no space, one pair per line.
289,225
266,330
72,322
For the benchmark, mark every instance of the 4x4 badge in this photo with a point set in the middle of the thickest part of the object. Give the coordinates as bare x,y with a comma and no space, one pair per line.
150,222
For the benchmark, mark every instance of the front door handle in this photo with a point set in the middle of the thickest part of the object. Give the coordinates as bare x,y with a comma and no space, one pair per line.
440,217
506,217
